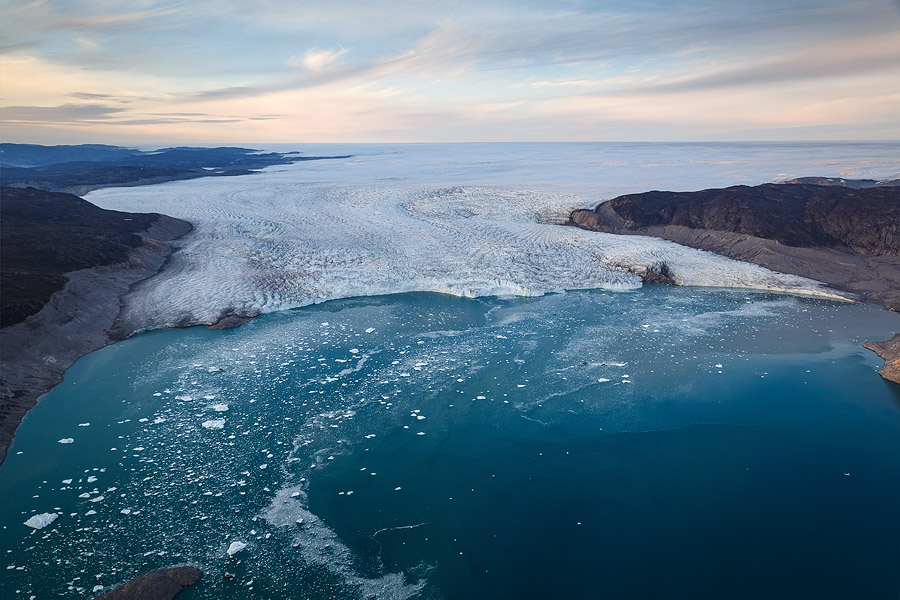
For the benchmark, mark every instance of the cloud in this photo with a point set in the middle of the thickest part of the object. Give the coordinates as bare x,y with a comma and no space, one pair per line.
65,113
317,60
845,58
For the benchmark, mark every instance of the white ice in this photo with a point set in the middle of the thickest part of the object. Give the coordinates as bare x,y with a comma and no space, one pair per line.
214,424
423,218
66,440
235,547
42,520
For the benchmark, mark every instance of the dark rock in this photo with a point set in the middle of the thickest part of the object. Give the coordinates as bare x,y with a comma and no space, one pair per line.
864,221
161,584
889,350
45,235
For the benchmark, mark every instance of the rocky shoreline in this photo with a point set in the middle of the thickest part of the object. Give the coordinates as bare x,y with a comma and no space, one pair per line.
889,350
845,233
76,320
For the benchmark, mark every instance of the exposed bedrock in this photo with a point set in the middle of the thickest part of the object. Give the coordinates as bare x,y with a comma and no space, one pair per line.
161,584
66,263
846,237
889,350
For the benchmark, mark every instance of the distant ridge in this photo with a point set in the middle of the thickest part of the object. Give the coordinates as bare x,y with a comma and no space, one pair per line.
80,169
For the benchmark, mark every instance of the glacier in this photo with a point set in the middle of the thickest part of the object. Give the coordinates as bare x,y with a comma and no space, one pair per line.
467,220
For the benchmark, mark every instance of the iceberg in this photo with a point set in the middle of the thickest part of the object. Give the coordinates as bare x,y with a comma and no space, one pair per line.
42,520
214,424
235,547
66,440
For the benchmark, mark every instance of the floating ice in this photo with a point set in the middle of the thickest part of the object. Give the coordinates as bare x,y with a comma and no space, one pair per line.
84,424
235,547
214,424
66,440
42,520
221,407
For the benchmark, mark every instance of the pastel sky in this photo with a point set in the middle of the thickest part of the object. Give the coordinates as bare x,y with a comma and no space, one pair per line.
253,71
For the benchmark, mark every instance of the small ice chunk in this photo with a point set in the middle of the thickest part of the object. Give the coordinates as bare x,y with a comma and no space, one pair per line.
125,511
354,350
97,499
220,407
91,479
235,547
67,481
215,369
214,424
42,520
66,440
184,398
84,424
90,512
603,380
263,466
370,330
718,365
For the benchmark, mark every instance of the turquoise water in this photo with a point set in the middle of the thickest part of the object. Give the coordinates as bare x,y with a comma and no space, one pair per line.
666,442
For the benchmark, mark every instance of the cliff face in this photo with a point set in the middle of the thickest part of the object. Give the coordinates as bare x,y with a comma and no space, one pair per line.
838,234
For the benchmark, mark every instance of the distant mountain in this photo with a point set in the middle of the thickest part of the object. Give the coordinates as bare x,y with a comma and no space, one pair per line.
79,169
34,155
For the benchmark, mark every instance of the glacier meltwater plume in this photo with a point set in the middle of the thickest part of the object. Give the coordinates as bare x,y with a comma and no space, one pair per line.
274,240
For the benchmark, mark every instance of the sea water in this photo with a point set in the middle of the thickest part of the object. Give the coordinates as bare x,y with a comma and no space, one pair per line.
621,440
661,442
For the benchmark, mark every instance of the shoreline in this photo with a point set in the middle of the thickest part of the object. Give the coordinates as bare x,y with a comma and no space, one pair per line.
76,321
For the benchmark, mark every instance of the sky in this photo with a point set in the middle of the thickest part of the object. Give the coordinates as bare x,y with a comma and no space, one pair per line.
144,72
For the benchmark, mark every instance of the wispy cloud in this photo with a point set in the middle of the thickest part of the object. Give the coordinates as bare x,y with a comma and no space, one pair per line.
317,60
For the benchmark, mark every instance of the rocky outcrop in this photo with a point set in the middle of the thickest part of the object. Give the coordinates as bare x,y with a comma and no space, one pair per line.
65,265
889,350
843,236
161,584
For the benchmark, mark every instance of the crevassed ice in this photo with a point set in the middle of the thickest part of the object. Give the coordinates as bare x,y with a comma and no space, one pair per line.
272,241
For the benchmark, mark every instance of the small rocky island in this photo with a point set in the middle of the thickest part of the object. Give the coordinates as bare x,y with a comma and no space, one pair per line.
845,233
161,584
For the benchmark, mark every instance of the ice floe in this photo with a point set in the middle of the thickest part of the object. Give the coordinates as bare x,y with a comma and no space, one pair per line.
235,547
42,520
214,424
67,440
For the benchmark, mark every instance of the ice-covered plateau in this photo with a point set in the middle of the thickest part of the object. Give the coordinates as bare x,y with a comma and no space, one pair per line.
273,241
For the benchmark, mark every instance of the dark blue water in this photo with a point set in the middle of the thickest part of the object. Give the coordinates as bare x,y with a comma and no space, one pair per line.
672,443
